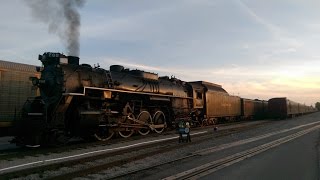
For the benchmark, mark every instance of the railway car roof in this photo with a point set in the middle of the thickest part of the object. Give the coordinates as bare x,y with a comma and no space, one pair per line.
210,86
17,66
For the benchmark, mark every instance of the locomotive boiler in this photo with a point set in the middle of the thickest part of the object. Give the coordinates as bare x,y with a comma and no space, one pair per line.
80,100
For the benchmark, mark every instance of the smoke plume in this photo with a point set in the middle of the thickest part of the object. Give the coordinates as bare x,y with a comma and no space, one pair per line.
63,19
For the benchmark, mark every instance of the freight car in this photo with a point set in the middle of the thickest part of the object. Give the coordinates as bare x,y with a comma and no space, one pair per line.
15,88
260,109
281,108
253,109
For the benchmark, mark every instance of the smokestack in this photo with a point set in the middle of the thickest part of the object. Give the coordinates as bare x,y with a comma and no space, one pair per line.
63,19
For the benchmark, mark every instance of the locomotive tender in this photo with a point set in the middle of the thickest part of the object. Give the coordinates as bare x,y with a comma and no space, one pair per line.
80,100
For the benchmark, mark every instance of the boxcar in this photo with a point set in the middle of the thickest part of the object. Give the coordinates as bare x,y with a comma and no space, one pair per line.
247,108
260,109
283,108
15,88
253,108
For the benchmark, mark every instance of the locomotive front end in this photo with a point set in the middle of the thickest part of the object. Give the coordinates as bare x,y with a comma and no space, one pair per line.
38,113
51,81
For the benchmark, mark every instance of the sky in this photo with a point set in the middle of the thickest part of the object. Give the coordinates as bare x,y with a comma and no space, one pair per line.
253,48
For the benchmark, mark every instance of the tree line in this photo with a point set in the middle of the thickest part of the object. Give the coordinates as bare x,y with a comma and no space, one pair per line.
318,105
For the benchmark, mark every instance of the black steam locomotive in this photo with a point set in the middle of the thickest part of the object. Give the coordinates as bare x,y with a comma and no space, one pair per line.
84,101
80,100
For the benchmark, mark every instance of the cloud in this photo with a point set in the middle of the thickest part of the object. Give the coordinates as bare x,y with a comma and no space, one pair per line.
282,41
189,73
127,26
275,30
237,44
21,38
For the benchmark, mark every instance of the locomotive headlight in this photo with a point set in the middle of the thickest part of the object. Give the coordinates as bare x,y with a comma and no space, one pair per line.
34,80
38,69
42,81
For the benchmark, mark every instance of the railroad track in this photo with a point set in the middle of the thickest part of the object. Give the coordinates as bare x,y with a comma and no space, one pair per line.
214,166
149,150
211,167
141,152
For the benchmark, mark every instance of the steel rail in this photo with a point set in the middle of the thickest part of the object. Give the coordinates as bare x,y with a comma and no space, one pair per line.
215,149
206,169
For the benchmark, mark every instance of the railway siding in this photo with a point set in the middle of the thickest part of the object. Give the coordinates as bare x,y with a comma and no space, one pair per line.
135,159
54,160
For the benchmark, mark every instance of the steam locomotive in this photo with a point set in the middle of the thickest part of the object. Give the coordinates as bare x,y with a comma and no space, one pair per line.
85,101
80,100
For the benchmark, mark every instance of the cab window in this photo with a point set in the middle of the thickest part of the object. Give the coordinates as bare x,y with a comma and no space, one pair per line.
199,95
